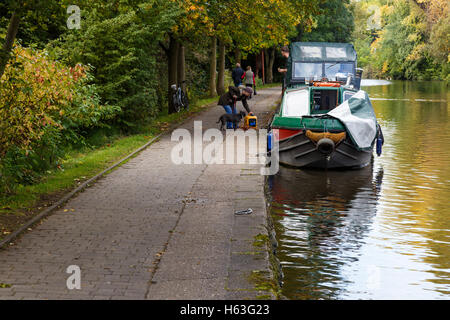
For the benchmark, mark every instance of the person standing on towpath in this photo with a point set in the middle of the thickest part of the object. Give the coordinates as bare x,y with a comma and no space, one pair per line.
236,75
249,79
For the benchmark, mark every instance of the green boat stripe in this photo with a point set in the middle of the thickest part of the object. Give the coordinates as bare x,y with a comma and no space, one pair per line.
307,123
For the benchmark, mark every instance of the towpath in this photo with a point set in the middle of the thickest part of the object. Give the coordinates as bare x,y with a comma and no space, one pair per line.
151,230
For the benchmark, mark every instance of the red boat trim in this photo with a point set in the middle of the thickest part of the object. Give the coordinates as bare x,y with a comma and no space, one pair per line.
285,134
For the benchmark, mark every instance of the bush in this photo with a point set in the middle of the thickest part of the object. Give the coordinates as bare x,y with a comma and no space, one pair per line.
44,106
123,47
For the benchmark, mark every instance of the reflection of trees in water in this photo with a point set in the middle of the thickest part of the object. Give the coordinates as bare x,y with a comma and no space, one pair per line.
416,155
321,219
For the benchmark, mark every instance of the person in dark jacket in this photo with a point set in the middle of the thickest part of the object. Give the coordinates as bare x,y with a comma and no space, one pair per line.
283,69
285,55
228,100
236,75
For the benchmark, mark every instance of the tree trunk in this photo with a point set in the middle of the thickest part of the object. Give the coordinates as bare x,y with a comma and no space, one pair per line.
269,71
257,64
9,41
221,76
237,55
266,65
263,62
172,69
299,34
181,68
212,68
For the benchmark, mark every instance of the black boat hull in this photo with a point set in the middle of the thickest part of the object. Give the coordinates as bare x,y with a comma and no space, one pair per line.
299,151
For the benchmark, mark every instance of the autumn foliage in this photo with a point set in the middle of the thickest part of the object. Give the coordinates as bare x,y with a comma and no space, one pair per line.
43,104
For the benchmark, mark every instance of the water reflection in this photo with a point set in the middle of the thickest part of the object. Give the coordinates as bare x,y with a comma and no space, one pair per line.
343,236
323,225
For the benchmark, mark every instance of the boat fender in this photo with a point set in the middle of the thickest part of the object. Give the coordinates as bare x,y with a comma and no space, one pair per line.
379,146
269,141
380,140
325,146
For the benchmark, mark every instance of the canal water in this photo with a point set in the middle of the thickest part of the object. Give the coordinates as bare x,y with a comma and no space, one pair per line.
381,232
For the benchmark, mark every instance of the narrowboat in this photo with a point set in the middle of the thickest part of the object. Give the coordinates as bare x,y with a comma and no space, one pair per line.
324,120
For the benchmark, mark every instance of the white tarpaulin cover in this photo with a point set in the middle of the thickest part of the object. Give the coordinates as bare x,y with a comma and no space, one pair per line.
359,118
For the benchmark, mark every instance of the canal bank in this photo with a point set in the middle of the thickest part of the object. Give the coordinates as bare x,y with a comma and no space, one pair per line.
153,230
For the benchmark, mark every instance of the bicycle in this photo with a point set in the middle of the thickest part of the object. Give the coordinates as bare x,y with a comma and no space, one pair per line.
179,98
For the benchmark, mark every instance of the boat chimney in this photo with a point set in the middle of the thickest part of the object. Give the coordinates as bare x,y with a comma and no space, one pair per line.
358,78
349,79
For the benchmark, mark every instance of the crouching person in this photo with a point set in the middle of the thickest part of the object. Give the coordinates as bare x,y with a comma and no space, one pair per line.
228,101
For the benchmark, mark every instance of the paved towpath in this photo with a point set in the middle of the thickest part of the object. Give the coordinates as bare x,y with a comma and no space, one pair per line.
150,230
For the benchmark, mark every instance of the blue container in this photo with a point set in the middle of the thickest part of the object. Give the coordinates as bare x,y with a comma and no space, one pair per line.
379,146
269,141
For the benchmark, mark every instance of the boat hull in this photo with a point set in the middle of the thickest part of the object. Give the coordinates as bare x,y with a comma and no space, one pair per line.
299,151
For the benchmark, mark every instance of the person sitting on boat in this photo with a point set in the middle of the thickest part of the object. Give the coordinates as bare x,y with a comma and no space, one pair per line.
228,100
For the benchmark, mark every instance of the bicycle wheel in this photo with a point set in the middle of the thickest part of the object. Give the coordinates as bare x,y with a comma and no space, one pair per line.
184,100
176,104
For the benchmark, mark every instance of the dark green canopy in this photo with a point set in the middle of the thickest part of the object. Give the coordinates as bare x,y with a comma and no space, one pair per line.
318,60
322,51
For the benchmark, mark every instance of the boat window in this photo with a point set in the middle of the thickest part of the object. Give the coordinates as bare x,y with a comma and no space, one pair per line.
348,95
333,53
311,52
296,103
324,100
338,70
307,70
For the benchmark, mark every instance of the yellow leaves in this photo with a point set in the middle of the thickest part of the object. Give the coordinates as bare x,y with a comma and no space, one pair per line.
374,46
194,8
413,37
248,25
40,93
385,68
386,10
417,52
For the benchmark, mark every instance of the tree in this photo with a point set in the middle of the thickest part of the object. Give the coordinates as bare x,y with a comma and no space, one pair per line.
121,42
18,9
268,24
413,41
190,24
9,41
172,54
264,24
334,23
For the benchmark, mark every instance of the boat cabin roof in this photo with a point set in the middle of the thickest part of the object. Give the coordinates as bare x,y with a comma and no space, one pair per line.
322,52
311,61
